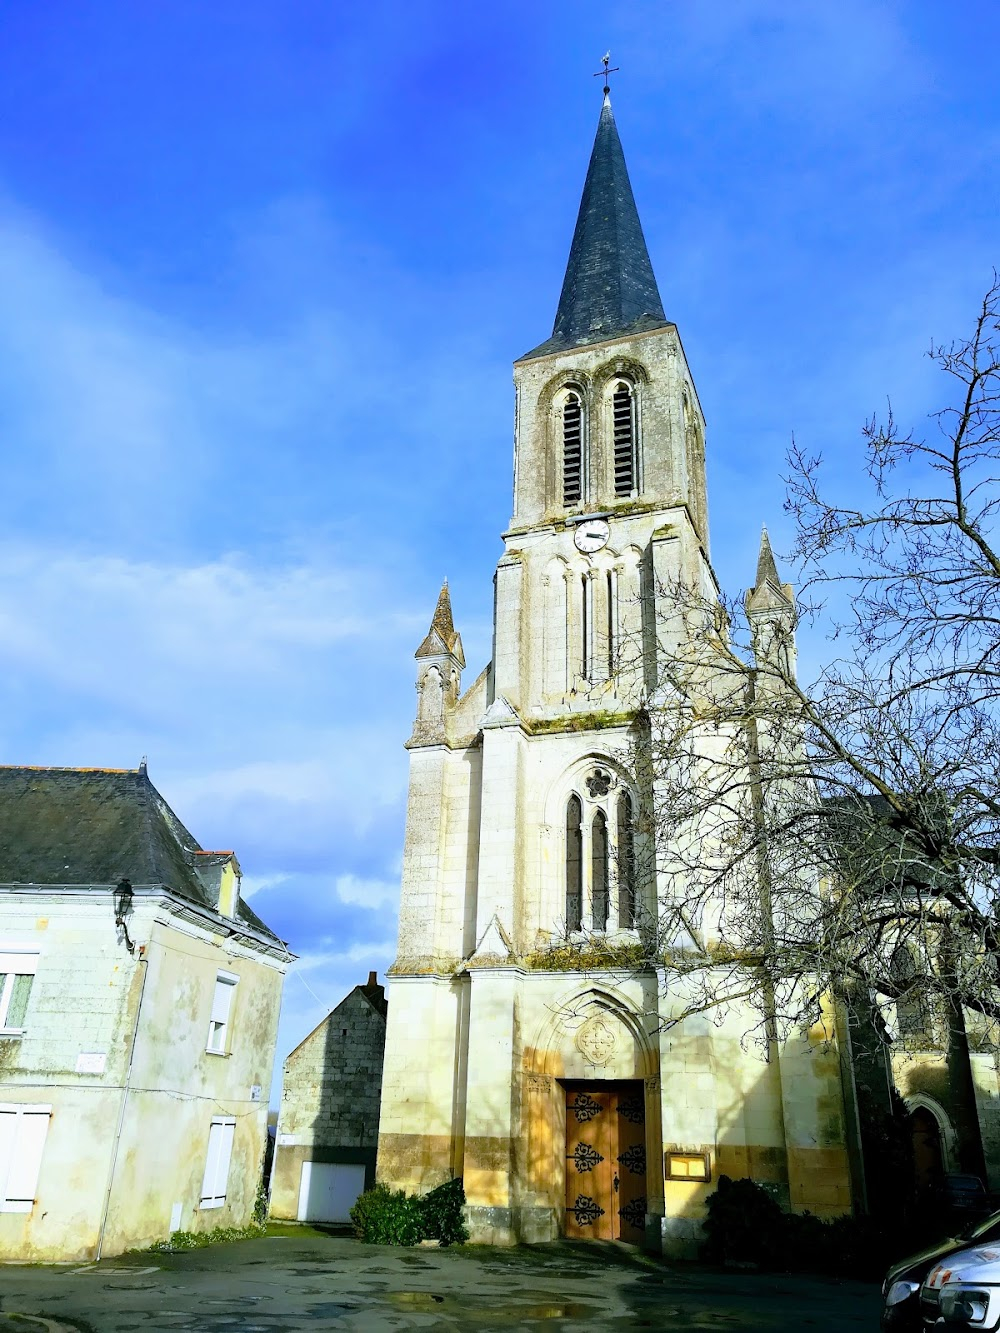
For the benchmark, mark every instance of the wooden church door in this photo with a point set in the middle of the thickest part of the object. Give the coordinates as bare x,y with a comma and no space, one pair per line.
605,1162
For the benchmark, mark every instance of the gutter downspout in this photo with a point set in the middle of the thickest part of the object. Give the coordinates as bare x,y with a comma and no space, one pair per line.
121,1114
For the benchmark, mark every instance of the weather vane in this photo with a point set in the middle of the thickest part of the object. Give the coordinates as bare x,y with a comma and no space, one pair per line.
606,61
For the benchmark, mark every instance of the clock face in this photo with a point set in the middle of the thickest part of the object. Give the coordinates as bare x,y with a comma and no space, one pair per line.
591,534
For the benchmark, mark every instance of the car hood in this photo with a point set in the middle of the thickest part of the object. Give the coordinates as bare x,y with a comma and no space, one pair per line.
920,1262
981,1263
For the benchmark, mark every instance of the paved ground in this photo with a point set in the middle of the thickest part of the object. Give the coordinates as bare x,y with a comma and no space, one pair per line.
308,1281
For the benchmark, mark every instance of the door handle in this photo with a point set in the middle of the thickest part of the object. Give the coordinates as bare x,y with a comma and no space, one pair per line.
616,1183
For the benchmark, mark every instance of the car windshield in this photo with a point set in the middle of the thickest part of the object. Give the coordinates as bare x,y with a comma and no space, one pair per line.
988,1229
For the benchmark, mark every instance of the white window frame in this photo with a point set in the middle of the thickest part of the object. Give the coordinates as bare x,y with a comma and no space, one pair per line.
13,963
222,1009
221,1132
23,1129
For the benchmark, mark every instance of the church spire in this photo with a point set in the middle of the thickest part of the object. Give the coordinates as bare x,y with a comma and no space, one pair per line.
609,287
442,635
767,570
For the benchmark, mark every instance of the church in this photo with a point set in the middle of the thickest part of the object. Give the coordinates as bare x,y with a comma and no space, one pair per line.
523,1053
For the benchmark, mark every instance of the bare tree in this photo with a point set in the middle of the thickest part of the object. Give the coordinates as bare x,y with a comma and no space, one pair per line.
846,832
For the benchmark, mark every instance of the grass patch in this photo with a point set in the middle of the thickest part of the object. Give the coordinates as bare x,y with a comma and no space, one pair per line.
179,1241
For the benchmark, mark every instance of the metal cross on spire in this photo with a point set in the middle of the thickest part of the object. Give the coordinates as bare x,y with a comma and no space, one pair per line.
606,61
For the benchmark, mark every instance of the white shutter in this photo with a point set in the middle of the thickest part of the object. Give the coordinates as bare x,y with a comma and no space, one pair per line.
22,1141
25,964
8,1136
225,1153
222,1002
211,1164
220,1150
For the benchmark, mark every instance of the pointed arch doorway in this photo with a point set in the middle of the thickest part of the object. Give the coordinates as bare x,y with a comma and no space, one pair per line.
605,1160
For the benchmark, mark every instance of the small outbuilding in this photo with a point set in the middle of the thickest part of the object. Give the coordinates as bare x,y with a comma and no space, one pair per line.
328,1122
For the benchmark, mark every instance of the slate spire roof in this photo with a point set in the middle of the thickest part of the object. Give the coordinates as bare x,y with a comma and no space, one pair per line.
609,287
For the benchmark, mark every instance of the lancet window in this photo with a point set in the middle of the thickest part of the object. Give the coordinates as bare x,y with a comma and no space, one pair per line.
574,864
600,868
624,428
572,427
626,862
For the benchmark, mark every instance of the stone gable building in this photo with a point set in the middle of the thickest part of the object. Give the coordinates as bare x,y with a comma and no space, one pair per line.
328,1123
139,999
565,1098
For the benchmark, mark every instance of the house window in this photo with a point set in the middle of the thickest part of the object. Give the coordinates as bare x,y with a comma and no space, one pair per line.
220,1150
623,420
222,1003
912,1011
22,1138
17,972
572,417
574,864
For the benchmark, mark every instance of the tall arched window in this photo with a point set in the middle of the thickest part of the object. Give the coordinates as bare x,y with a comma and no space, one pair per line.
574,864
599,859
626,862
623,416
572,418
911,1007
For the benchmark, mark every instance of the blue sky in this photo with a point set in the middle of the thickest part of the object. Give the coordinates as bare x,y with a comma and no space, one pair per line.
264,269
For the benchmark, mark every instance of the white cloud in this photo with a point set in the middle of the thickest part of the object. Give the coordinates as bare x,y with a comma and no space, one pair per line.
373,894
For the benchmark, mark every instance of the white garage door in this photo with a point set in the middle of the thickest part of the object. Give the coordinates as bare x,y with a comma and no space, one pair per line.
328,1191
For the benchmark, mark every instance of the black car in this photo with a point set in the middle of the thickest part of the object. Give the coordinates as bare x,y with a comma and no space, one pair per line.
901,1288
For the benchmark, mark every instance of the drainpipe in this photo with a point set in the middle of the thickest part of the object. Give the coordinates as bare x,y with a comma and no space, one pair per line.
121,1112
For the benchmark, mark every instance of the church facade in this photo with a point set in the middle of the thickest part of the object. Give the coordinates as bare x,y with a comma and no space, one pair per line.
523,1052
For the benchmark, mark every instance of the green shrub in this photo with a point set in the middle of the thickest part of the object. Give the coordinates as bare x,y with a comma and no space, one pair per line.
383,1216
442,1213
746,1225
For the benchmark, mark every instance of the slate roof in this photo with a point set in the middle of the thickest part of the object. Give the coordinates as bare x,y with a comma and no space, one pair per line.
91,827
609,288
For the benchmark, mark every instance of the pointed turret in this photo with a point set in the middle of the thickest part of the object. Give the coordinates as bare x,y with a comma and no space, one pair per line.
770,606
439,674
442,637
609,287
768,594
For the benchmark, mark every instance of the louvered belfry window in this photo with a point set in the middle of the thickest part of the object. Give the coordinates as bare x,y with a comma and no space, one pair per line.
623,414
572,449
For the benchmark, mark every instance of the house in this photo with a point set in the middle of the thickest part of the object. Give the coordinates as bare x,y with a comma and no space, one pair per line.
139,999
328,1122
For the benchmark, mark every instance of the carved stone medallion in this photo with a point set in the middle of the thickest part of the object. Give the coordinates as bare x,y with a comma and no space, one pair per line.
597,1040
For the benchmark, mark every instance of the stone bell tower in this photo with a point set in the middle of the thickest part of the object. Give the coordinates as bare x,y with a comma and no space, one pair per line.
522,1052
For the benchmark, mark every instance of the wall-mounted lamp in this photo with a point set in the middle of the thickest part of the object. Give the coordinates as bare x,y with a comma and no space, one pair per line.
122,894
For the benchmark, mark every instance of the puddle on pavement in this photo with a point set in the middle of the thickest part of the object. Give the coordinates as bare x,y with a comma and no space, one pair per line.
499,1314
416,1300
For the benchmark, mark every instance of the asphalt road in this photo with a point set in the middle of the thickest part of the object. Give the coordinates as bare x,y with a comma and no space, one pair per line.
304,1280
